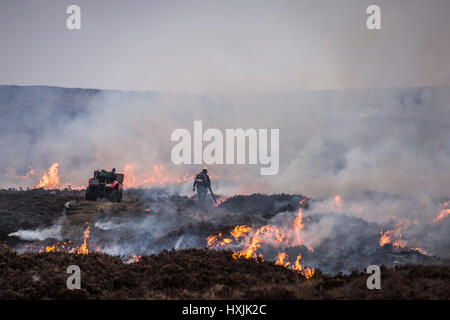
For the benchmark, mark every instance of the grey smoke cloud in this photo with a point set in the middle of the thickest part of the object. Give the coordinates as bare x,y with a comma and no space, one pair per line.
329,142
344,141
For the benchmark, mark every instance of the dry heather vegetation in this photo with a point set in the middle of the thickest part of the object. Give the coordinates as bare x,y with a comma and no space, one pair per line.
202,274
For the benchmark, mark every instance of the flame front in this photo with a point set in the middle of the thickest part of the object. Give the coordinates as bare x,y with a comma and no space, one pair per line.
394,236
251,241
385,237
158,175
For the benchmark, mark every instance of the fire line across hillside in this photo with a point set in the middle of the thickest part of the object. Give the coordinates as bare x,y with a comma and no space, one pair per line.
291,232
285,229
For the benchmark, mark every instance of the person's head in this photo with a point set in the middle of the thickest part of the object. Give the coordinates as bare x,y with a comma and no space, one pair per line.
205,170
113,170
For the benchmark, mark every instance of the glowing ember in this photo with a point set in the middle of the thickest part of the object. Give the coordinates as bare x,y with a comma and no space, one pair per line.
67,247
282,258
220,200
50,248
421,251
338,201
133,258
49,180
334,204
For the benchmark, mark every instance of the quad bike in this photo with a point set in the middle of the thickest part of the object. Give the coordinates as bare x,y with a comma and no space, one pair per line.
105,185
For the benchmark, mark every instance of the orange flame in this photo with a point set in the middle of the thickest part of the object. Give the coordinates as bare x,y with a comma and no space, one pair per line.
133,258
50,248
338,201
280,260
385,237
50,179
335,204
253,244
83,248
394,236
56,247
217,241
66,246
298,221
421,251
158,175
445,212
306,272
275,236
220,200
129,178
240,231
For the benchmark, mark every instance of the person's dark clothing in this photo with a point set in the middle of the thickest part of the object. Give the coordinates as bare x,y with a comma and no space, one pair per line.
202,179
203,183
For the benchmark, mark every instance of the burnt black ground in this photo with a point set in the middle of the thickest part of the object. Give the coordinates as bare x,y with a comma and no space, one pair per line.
30,209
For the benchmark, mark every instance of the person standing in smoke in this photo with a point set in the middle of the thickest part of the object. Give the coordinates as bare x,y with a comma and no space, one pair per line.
202,183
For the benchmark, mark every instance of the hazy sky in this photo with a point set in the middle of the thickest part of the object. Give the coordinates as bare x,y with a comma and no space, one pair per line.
225,46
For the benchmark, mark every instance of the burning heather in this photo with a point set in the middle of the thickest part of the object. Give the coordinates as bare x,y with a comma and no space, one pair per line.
50,180
157,176
249,241
394,236
292,231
